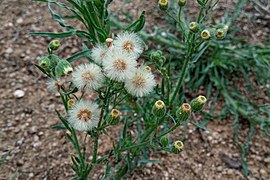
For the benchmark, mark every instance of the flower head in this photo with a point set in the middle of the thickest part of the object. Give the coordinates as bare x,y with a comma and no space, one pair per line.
182,2
119,65
63,68
205,34
98,53
159,108
54,44
198,103
130,43
220,33
141,83
163,4
88,77
84,115
194,26
178,145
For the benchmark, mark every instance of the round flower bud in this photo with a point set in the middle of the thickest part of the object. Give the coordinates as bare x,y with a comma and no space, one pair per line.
164,141
194,27
114,116
109,42
63,68
71,103
183,112
54,45
147,69
163,4
54,60
198,103
220,33
225,27
157,57
44,62
177,147
182,2
159,109
205,34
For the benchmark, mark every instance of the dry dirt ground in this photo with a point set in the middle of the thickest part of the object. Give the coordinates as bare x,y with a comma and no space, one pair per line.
35,151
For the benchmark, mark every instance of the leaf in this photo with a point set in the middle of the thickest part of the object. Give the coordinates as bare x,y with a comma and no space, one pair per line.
42,70
137,25
3,158
59,126
107,171
79,55
64,121
53,35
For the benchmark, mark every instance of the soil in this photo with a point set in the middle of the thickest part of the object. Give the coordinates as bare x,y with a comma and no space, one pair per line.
36,151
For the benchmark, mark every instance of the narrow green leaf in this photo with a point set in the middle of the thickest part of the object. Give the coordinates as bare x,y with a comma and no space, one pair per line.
53,35
59,126
78,55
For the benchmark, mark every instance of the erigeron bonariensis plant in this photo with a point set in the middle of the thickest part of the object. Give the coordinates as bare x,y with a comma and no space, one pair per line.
129,93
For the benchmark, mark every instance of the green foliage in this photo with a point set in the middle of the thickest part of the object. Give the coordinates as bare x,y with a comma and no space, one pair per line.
200,59
223,67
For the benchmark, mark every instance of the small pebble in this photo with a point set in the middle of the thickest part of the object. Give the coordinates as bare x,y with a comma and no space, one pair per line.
19,93
267,160
9,50
31,175
19,20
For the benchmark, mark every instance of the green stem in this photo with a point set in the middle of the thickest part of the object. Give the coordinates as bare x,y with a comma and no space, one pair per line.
95,149
99,124
181,79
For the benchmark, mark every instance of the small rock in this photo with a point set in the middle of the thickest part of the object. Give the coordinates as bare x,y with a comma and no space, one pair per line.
40,133
9,50
36,138
31,175
263,173
19,93
219,169
19,20
20,162
17,130
22,55
267,160
19,142
33,130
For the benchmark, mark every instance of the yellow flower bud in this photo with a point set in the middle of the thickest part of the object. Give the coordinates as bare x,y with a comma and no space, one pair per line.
182,2
71,103
147,69
183,112
220,33
54,45
194,27
198,103
163,4
205,34
115,114
177,147
159,109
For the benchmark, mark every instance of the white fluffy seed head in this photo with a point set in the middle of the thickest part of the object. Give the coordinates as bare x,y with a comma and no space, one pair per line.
98,53
119,65
88,77
130,43
141,83
84,116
